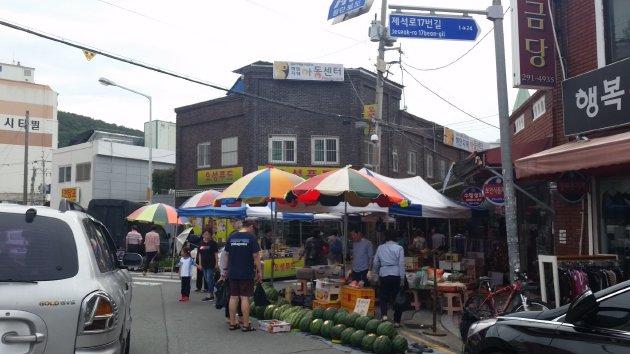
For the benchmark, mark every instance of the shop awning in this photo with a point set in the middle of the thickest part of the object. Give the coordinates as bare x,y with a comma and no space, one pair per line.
576,155
492,157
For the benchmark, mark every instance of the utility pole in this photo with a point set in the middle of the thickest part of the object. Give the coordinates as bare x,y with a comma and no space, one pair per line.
24,190
380,71
43,179
33,185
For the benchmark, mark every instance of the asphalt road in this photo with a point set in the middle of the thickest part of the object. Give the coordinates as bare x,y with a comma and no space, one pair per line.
163,325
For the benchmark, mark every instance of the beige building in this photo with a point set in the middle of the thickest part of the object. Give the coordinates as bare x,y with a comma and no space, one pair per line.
20,94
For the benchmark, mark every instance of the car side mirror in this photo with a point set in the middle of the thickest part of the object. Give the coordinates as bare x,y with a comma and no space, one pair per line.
131,260
584,304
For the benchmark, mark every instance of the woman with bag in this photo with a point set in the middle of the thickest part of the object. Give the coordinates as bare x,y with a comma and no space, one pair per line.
389,264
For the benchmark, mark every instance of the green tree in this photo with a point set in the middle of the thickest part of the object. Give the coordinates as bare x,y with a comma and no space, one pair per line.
71,125
163,180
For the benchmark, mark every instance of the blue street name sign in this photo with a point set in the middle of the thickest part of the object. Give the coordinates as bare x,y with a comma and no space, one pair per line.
457,28
342,7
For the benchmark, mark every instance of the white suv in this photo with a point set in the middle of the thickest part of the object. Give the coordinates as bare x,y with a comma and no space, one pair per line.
62,287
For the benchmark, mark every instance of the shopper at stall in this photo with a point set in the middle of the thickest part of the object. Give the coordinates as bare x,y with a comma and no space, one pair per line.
335,249
315,249
389,264
243,265
438,240
362,253
208,261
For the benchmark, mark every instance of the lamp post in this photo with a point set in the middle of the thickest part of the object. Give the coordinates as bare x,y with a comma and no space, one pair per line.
108,82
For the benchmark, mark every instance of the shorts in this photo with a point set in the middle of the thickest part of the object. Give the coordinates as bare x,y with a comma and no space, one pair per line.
241,287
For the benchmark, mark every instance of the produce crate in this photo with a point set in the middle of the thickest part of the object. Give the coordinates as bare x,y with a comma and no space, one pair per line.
327,290
350,294
317,303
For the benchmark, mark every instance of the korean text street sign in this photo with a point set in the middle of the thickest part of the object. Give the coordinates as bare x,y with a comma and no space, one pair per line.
598,99
341,7
431,27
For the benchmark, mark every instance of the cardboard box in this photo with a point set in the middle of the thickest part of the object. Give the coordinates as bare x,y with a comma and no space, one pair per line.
451,257
273,326
327,290
446,265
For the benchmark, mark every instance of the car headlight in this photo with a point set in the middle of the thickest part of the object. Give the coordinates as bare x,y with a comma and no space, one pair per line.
480,326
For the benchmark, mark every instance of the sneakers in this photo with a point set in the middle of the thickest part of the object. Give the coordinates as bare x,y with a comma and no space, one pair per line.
184,299
207,299
197,290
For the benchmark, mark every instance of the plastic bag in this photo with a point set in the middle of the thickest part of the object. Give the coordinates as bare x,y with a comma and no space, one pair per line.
402,302
260,297
222,295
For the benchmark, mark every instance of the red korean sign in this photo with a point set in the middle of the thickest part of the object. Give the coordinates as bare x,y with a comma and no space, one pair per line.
572,186
493,190
534,46
473,197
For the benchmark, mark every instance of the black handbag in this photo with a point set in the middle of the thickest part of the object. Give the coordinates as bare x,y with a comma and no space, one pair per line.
260,297
222,295
401,301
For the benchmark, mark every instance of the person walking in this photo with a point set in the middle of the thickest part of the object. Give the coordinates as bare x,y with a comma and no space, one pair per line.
389,264
151,249
362,253
208,261
133,240
242,254
185,264
315,247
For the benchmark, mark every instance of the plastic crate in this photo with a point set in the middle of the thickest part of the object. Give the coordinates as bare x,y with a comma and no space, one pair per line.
317,303
350,294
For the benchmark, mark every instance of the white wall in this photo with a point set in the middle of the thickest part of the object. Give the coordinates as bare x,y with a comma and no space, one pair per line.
164,134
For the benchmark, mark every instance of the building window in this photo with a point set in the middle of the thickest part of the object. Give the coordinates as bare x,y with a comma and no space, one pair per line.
519,124
616,31
83,171
429,165
539,107
411,162
395,160
282,148
442,166
229,151
27,72
324,150
369,153
203,155
65,174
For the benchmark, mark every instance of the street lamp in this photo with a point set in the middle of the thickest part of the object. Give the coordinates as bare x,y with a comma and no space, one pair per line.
108,82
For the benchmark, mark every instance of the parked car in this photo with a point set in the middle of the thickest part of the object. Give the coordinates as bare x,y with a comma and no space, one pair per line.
62,288
593,323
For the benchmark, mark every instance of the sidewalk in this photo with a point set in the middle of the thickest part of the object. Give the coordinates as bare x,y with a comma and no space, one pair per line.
417,323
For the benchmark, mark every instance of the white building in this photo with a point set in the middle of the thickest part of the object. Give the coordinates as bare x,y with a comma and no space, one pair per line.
163,132
20,94
105,166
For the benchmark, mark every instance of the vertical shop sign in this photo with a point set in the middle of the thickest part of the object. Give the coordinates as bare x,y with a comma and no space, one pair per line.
534,48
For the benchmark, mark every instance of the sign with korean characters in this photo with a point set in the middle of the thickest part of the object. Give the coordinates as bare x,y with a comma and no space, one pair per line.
72,194
493,190
534,48
219,176
362,306
17,123
286,70
572,186
473,197
342,7
598,99
304,172
432,27
462,141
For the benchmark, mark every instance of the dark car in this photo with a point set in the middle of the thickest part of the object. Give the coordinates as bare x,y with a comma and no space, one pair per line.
593,323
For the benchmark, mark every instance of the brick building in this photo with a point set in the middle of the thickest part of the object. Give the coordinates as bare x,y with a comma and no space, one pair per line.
304,126
580,168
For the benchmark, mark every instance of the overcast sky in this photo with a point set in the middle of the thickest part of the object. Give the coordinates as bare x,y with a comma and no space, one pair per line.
208,39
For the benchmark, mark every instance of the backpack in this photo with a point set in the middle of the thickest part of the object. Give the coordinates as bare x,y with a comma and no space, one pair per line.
335,247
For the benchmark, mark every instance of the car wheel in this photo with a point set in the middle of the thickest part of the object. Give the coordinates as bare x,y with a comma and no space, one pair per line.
532,306
476,305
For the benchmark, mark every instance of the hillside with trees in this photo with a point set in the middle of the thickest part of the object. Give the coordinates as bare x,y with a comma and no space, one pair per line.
71,125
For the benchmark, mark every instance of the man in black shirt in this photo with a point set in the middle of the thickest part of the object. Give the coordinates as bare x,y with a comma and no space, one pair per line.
208,261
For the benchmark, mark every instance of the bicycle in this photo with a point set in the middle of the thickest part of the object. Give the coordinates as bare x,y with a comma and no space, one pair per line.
484,307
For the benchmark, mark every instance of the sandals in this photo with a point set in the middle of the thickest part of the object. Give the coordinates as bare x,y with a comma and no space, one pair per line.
234,327
248,328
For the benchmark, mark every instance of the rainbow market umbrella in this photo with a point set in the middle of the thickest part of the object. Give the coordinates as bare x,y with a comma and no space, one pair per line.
157,213
202,199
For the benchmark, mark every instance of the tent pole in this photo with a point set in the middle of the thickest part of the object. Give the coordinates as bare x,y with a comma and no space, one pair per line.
345,236
273,232
174,250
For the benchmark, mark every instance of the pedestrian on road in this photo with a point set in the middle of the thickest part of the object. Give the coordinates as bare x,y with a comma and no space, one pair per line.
389,264
208,261
185,264
152,249
362,253
242,257
133,240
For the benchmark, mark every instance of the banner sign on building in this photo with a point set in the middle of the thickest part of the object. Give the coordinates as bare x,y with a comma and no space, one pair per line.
597,100
462,141
72,194
534,47
304,172
493,190
473,197
219,176
286,70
